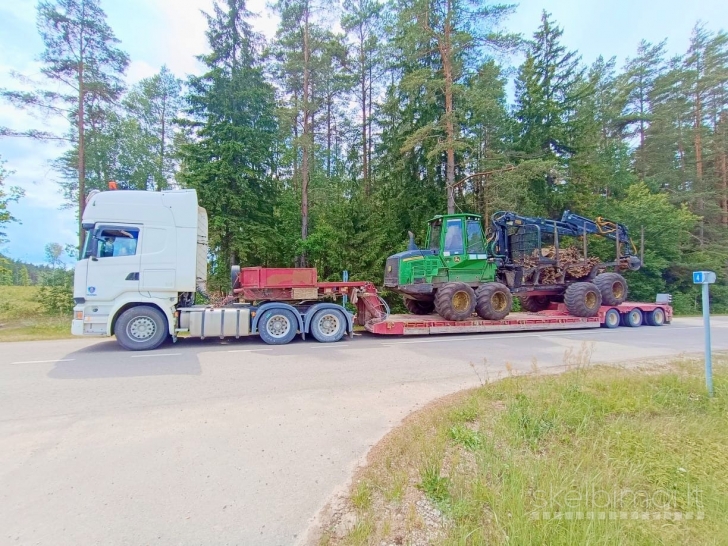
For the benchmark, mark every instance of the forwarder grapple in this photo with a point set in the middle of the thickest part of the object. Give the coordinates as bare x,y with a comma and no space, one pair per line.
460,271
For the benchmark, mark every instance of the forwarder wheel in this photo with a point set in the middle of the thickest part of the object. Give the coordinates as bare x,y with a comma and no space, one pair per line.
417,307
494,301
455,301
534,304
583,299
141,328
328,325
613,287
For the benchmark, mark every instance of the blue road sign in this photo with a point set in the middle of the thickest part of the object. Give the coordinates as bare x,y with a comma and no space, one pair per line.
703,277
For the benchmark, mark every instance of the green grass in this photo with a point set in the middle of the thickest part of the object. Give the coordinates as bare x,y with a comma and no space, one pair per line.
592,456
22,319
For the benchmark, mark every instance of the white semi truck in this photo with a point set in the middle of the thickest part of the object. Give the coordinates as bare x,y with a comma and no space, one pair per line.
144,260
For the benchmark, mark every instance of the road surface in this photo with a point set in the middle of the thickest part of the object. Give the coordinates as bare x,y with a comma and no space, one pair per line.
206,442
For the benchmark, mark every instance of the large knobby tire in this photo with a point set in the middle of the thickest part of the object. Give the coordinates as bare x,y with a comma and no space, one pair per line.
583,299
493,301
328,325
141,328
534,304
277,326
455,301
417,307
613,287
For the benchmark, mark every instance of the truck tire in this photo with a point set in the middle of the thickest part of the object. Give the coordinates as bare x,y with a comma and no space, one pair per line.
277,326
656,317
534,304
494,301
612,319
583,299
328,325
613,287
455,301
634,318
141,328
417,307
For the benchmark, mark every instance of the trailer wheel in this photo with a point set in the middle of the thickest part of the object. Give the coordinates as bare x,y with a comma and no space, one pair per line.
328,325
613,287
455,301
277,326
534,304
634,318
656,317
141,328
494,301
583,299
417,307
612,319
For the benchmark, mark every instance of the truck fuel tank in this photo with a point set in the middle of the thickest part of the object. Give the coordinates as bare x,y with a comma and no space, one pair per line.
215,322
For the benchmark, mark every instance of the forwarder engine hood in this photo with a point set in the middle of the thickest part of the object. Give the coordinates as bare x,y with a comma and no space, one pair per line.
391,269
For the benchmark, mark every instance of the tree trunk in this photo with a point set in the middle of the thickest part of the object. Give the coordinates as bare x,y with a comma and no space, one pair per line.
306,134
445,52
81,159
162,179
364,146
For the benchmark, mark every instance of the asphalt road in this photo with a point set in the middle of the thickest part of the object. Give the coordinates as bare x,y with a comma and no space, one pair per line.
205,442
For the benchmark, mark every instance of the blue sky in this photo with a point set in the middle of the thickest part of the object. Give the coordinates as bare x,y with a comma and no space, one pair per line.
157,32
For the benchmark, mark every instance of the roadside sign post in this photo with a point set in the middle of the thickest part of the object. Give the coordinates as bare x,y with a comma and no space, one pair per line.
706,278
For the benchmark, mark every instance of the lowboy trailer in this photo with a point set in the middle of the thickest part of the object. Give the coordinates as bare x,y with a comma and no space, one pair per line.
554,318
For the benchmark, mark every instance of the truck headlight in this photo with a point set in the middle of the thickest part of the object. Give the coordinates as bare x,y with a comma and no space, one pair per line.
79,315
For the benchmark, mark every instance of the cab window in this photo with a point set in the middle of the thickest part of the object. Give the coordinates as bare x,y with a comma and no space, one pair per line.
454,237
435,230
114,242
475,238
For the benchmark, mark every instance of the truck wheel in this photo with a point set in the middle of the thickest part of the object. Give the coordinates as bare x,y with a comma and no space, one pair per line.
634,318
612,319
613,287
494,301
141,328
583,299
417,307
534,304
328,325
656,317
455,301
277,326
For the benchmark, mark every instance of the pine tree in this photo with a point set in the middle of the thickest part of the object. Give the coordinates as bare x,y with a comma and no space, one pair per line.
81,59
228,158
547,91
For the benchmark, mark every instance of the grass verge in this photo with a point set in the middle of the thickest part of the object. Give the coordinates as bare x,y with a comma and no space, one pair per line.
592,456
22,318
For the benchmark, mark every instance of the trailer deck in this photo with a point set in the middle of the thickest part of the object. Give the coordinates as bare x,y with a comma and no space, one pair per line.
555,318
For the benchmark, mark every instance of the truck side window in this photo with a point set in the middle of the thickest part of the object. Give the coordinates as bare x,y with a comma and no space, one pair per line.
475,238
113,242
454,237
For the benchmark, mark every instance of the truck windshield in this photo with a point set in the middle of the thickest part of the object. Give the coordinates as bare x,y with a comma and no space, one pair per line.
88,246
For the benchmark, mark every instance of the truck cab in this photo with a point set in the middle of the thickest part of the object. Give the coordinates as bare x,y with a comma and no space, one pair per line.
137,256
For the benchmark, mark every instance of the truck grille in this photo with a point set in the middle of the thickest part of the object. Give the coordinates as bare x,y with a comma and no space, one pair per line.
391,272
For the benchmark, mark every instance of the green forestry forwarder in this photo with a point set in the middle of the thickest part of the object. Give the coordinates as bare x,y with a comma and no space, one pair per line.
460,271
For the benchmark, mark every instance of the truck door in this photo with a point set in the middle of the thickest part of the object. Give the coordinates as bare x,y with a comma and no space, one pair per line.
114,262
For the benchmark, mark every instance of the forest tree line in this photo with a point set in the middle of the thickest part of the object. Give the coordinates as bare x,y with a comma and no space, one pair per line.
323,147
